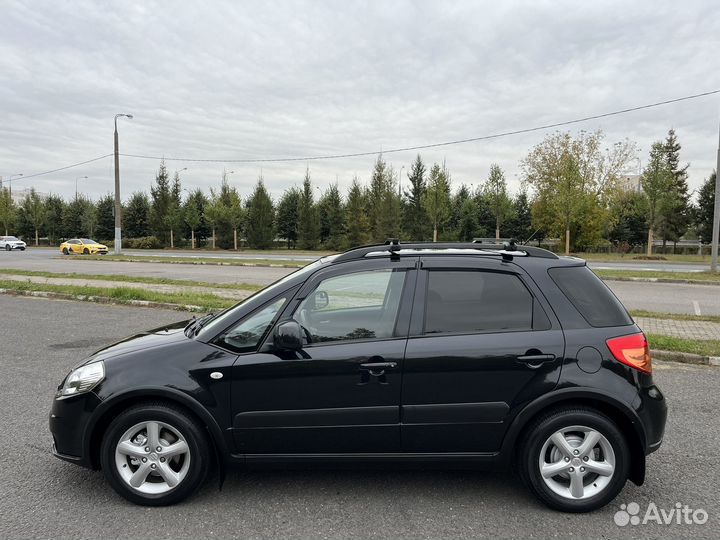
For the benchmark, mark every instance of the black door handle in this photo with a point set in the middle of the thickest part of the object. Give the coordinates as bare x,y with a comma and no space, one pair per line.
535,360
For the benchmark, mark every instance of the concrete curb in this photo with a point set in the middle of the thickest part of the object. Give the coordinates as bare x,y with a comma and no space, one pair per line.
664,280
685,358
103,300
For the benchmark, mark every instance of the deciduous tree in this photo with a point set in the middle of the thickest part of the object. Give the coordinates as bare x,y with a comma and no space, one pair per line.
437,197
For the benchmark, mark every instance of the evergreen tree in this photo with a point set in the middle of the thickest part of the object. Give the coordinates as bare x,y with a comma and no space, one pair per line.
519,225
309,224
457,215
467,223
358,225
7,210
657,181
705,209
416,222
161,203
496,194
677,217
437,198
173,218
79,218
384,208
629,228
106,218
54,210
192,211
260,218
136,216
32,210
287,216
332,219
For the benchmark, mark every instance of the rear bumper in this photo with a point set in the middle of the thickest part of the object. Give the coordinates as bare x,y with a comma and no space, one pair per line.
653,415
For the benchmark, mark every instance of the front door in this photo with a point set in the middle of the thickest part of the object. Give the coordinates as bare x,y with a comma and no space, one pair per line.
341,392
482,341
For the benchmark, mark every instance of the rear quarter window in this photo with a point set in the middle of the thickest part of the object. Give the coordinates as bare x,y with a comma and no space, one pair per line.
590,296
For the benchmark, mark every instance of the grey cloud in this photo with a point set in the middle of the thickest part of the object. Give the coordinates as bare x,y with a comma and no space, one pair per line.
253,80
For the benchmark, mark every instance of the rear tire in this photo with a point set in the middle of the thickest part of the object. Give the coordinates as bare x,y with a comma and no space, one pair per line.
584,457
158,480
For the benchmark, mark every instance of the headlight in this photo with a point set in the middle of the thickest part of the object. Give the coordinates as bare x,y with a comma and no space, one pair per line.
83,379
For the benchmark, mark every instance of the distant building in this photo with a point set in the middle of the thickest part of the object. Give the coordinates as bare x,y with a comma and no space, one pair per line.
18,195
630,182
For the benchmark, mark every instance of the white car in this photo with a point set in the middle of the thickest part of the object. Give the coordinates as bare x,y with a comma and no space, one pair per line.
12,242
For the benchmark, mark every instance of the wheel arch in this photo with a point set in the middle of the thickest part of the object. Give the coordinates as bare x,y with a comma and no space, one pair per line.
110,408
622,414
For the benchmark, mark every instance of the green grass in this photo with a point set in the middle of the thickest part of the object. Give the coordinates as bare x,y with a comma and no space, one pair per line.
683,276
616,257
194,260
132,279
674,316
668,343
205,301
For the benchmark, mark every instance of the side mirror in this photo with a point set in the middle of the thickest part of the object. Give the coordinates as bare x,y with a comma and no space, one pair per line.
288,335
320,300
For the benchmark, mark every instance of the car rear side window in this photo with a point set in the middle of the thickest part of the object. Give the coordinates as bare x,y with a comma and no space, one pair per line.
469,301
590,296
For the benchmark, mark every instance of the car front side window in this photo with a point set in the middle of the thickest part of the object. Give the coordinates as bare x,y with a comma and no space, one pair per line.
361,305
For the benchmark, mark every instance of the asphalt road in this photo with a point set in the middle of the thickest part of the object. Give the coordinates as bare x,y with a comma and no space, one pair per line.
662,297
43,497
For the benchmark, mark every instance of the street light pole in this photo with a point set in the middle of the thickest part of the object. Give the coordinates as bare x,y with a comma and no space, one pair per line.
400,181
117,248
76,181
10,179
716,215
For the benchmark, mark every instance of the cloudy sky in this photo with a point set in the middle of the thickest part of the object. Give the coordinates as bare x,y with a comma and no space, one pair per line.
247,80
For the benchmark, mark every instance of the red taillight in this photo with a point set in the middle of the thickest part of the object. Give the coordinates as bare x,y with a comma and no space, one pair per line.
632,350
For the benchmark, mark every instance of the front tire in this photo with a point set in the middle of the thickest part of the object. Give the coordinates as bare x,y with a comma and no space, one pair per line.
8,247
575,459
86,251
65,251
141,473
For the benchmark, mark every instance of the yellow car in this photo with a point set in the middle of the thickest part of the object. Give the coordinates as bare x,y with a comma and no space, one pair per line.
84,246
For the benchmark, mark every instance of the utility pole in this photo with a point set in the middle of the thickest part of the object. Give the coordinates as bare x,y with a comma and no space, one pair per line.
716,215
76,184
118,207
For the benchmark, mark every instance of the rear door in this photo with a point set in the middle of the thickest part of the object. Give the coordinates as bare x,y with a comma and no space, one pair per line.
483,341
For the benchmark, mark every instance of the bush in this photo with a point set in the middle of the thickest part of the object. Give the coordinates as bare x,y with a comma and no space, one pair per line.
145,242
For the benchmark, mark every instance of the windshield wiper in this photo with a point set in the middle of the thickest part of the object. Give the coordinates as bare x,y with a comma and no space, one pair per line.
196,324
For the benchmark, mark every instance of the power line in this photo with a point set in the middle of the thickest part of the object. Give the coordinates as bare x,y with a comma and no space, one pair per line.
392,150
63,168
432,145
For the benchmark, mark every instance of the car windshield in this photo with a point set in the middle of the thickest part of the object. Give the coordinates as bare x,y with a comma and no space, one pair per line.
222,319
88,241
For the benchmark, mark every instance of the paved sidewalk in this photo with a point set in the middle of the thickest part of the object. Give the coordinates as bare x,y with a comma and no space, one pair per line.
700,330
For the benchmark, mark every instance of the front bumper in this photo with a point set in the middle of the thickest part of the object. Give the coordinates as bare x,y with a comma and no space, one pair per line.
69,422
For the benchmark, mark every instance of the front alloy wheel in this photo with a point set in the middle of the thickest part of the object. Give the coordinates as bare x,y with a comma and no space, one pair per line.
155,454
575,459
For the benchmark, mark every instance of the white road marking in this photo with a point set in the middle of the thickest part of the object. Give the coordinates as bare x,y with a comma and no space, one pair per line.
696,307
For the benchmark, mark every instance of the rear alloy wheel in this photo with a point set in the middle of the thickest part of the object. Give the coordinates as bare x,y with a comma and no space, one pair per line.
155,455
575,460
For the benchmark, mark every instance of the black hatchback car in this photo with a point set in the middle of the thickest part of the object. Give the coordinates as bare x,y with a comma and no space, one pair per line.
471,355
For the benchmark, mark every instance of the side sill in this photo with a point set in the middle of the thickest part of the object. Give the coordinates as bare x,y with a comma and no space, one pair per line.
397,458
